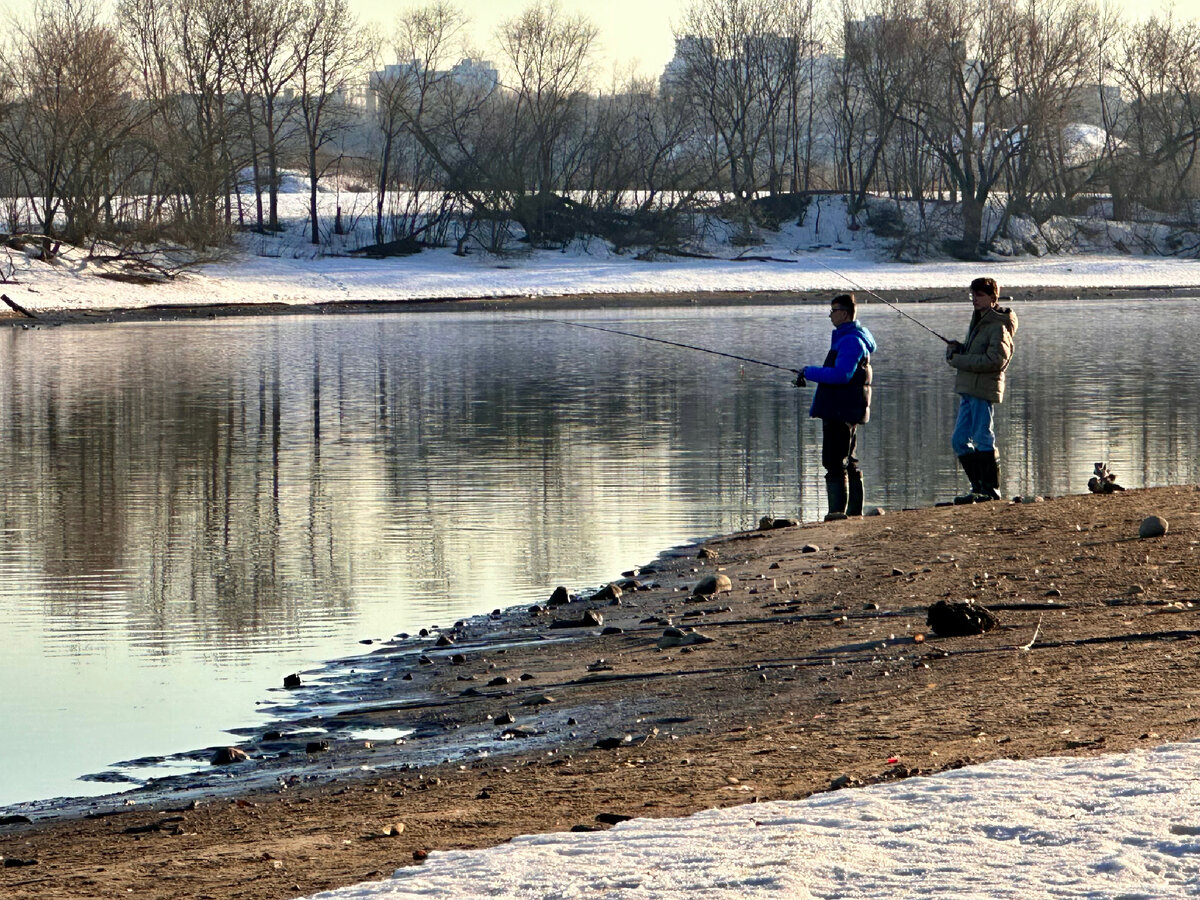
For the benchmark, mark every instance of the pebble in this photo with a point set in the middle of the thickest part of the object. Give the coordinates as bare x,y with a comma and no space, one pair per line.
1152,526
712,584
611,818
518,731
608,592
560,597
589,619
951,619
810,548
226,756
770,523
678,637
612,743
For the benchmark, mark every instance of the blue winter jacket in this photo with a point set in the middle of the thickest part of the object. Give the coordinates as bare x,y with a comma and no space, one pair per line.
844,382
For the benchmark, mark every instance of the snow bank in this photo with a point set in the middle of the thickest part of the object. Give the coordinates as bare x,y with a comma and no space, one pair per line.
1121,826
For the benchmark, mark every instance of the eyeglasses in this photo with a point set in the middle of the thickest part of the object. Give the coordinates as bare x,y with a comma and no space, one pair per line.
838,309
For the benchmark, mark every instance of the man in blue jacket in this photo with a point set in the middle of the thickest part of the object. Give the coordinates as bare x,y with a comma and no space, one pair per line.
842,402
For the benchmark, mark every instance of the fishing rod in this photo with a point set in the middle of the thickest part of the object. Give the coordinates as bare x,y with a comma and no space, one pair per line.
757,362
865,290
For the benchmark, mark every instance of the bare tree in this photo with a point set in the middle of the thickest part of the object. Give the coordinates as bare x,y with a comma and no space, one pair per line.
68,117
1051,66
878,68
268,65
330,51
405,96
187,54
549,55
962,107
740,69
1158,67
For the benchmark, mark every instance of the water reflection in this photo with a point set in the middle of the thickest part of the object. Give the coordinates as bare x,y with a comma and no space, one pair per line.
190,511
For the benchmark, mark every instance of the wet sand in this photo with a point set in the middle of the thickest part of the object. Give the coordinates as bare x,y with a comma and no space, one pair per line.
821,673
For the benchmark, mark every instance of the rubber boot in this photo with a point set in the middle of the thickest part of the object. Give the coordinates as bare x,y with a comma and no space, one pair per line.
836,490
854,501
988,487
970,465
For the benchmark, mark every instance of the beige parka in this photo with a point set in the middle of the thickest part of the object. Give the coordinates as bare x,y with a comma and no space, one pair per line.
986,354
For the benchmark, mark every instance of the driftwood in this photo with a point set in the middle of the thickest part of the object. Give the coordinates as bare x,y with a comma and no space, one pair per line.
17,306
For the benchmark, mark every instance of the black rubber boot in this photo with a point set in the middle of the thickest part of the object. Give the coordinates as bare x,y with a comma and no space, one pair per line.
854,501
836,490
988,487
970,465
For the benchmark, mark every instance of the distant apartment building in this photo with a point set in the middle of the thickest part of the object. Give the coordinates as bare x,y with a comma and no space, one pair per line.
475,74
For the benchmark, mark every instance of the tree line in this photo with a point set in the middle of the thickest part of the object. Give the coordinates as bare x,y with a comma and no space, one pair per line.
172,120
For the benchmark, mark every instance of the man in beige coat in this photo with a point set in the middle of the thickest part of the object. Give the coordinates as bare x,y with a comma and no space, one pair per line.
981,362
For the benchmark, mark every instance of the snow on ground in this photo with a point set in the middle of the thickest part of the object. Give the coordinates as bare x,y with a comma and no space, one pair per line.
822,254
438,274
1119,826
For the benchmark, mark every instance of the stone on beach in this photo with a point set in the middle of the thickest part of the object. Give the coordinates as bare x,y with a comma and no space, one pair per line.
950,619
228,755
712,584
590,619
560,597
608,592
1153,526
680,637
770,523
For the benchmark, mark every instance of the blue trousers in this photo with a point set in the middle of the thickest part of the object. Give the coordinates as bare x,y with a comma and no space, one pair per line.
974,429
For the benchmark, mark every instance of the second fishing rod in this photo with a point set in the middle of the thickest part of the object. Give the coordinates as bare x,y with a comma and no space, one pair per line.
747,359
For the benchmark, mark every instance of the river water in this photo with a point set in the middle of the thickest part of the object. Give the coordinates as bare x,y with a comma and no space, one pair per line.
190,511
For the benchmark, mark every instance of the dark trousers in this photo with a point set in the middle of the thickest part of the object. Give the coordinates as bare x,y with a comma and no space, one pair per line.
838,442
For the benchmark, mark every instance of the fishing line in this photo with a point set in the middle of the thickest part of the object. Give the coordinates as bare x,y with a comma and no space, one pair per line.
757,362
879,298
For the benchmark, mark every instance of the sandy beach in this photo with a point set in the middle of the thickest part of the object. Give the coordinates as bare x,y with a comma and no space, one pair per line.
815,671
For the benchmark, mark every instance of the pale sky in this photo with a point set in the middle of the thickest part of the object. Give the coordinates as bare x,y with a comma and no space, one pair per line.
634,32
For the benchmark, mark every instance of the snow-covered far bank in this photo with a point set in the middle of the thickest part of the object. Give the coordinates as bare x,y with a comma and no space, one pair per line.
817,253
1119,826
72,284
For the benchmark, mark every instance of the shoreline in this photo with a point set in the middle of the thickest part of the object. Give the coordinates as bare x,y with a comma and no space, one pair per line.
820,672
523,303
